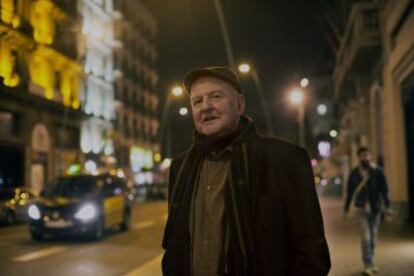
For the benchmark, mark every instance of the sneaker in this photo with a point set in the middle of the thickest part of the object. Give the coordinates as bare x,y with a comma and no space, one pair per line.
374,269
368,271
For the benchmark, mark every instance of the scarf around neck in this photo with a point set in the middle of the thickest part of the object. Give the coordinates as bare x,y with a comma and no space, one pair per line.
238,251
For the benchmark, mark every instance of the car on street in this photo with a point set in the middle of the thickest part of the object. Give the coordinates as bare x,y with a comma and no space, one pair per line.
83,205
14,203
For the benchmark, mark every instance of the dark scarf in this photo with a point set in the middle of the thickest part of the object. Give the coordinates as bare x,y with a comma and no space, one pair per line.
238,254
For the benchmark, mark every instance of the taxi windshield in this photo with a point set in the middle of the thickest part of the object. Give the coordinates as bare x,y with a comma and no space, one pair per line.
73,187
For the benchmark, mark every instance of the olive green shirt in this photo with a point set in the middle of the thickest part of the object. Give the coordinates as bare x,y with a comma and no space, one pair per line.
206,217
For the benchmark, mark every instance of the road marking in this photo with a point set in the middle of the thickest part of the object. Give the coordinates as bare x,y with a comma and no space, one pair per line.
150,268
39,254
143,225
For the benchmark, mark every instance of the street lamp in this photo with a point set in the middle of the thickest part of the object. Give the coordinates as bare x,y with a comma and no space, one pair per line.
322,109
225,33
333,133
245,68
304,82
176,91
297,98
183,111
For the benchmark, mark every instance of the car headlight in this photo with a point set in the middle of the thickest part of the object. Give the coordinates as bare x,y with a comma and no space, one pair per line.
34,212
86,212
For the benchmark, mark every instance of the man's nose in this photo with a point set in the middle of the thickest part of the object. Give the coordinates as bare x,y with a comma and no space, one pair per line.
206,103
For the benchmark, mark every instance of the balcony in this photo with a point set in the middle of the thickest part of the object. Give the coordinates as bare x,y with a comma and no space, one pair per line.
361,44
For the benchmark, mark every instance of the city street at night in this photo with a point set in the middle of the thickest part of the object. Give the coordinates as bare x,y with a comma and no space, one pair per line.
138,252
116,254
181,137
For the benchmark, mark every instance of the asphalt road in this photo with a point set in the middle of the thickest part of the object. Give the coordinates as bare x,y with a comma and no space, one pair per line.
119,253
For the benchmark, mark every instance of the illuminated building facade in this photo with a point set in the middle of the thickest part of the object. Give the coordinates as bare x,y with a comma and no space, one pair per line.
137,122
98,101
40,88
374,84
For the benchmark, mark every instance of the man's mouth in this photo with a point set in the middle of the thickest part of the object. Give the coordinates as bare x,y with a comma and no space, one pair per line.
209,119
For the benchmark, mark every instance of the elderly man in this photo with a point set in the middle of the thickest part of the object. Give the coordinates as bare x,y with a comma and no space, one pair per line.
239,203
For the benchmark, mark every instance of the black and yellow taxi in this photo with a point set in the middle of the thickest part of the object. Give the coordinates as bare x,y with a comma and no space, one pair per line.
82,205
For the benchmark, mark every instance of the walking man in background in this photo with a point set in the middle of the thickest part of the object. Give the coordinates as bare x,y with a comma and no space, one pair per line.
239,203
367,191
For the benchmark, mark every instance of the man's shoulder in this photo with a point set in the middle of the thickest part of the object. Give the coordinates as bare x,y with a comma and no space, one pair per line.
273,144
181,156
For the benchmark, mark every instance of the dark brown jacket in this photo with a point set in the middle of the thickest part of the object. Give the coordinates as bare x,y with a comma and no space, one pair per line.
287,221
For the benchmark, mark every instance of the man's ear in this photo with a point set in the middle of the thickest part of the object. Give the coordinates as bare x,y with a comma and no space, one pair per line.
241,104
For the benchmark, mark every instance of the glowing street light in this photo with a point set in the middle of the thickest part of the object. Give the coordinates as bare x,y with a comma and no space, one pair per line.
244,68
333,133
321,109
304,82
177,90
183,111
296,97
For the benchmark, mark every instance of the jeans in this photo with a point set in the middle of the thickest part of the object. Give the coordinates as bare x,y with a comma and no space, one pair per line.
368,228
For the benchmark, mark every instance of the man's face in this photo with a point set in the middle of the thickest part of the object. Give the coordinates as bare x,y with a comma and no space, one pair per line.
216,106
365,156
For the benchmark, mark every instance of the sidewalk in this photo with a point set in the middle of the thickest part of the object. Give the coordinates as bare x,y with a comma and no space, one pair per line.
395,251
394,256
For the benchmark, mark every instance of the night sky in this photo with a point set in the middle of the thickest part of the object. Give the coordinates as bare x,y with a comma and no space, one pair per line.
283,38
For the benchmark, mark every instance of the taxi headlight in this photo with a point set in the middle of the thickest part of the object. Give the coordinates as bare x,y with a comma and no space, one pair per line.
34,212
86,212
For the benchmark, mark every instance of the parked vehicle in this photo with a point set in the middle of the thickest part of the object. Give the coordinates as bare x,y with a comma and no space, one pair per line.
14,203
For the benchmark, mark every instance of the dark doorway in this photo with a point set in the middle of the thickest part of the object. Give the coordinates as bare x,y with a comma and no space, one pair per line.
408,102
11,165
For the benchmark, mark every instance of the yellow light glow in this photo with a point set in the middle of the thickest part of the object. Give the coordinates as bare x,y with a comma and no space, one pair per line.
177,90
8,13
42,73
42,18
65,88
244,68
76,104
7,66
296,96
157,157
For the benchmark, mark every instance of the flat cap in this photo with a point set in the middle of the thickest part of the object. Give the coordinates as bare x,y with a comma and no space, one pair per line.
220,72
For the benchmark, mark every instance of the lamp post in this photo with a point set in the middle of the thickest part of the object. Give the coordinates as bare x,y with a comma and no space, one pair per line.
297,98
245,68
176,91
225,33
